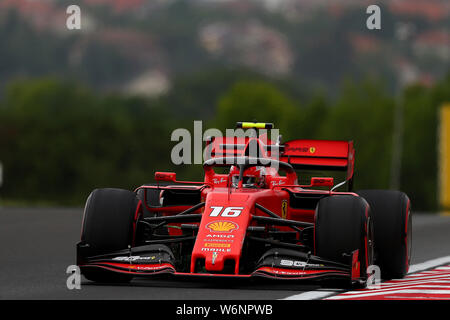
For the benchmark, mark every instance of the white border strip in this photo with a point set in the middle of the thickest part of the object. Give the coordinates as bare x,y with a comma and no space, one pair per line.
311,295
315,295
429,264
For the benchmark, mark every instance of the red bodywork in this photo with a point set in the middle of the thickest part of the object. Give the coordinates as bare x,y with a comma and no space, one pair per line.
228,212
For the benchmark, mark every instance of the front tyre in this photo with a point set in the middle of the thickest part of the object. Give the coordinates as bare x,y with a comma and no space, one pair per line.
392,223
107,227
343,224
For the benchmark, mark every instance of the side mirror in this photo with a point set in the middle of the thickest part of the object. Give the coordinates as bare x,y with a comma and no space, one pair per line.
166,176
322,182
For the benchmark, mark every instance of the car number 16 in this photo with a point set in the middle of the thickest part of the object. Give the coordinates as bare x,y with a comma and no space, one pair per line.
230,212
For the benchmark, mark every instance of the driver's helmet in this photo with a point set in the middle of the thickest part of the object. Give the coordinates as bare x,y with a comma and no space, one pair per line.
253,177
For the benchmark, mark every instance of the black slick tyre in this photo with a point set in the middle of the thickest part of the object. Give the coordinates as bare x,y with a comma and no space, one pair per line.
107,227
342,225
392,224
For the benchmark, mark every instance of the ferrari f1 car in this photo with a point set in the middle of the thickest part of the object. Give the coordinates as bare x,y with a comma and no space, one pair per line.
249,217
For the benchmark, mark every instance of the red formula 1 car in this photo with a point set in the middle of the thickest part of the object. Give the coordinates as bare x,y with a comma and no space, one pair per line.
249,218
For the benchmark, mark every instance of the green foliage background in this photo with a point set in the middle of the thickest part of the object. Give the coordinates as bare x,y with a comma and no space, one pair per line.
59,140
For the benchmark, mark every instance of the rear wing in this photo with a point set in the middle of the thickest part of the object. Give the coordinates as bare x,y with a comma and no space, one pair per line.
300,154
320,155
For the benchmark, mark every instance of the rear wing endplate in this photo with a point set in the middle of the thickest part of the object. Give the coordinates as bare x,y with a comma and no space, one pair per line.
320,155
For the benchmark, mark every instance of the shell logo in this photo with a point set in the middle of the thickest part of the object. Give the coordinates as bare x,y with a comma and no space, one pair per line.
222,226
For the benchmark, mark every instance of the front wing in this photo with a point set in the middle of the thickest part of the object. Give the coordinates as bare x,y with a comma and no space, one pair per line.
148,261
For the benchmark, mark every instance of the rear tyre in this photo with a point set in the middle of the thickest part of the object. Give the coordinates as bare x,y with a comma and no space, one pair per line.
107,227
392,223
342,225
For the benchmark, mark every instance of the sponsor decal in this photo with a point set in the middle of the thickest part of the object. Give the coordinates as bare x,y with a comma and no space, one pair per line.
219,181
284,205
290,263
284,272
137,267
299,149
291,273
134,258
218,240
215,249
222,226
217,245
295,263
214,257
221,236
277,183
302,149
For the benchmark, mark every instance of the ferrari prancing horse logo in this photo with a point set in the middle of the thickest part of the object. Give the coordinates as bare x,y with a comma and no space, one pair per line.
284,205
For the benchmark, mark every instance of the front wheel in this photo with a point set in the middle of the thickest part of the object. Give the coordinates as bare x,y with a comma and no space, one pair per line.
107,227
343,224
393,237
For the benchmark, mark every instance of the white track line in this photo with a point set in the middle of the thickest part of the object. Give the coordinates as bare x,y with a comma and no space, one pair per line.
429,264
387,291
403,286
370,294
315,295
311,295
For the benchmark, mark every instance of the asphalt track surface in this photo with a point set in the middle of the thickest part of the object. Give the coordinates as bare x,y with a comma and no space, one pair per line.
37,246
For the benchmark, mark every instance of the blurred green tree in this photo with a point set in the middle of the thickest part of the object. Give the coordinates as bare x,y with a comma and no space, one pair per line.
257,100
419,161
363,113
60,141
